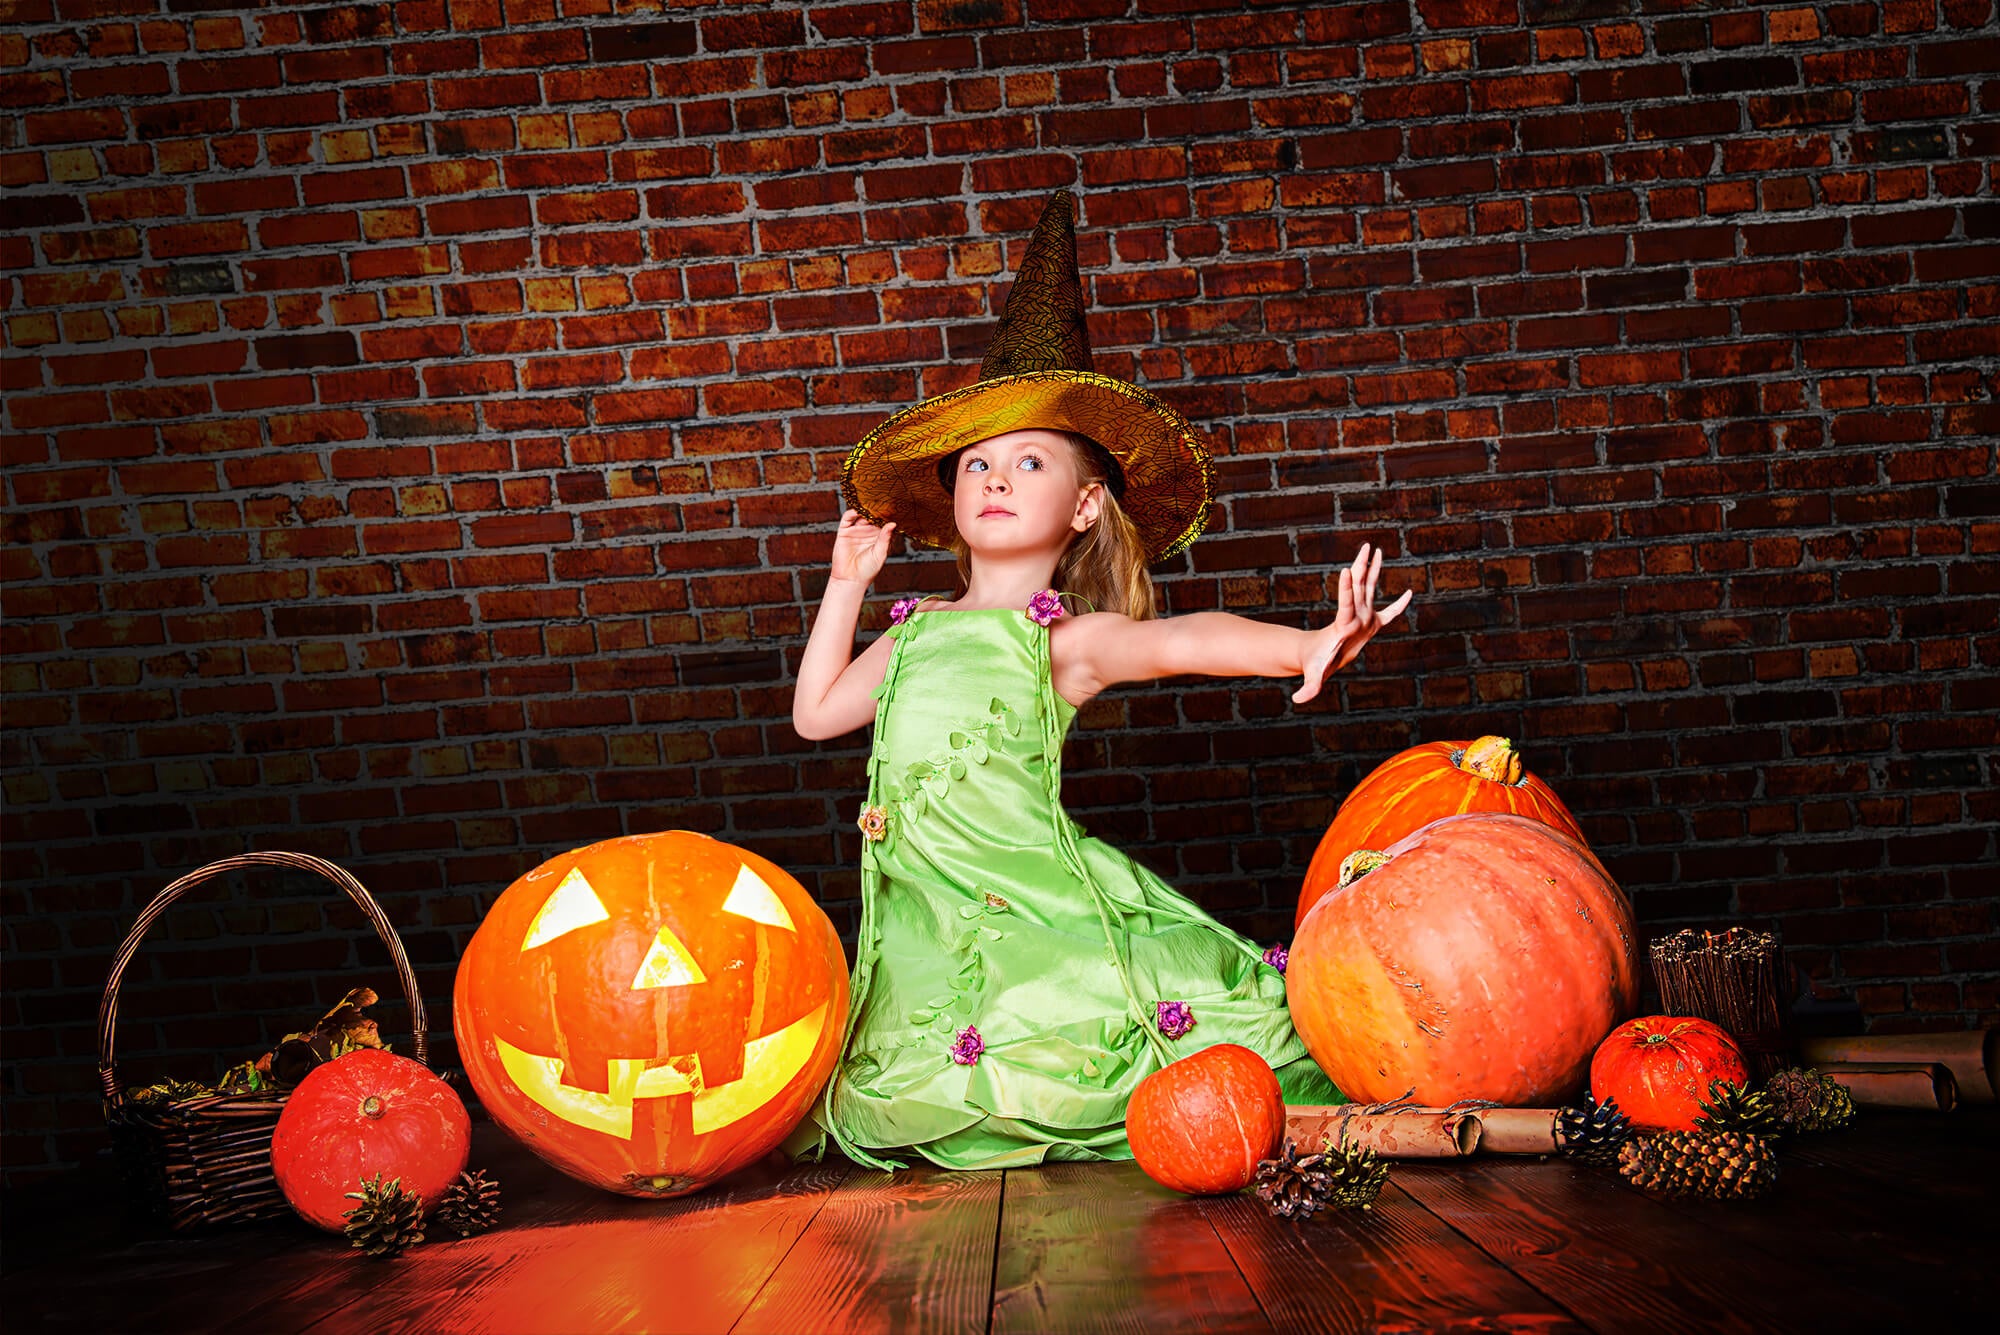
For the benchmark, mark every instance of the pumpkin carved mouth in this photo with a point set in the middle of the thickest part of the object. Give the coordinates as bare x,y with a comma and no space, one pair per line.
769,1063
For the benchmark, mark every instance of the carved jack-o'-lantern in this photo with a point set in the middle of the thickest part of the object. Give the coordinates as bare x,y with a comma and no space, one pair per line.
653,1012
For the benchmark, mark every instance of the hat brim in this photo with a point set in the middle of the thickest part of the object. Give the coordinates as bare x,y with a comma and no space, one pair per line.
891,473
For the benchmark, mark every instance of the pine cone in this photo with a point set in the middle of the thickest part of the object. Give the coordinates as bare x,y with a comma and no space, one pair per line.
1835,1108
469,1205
1355,1177
1592,1131
1721,1165
1293,1185
388,1219
1733,1107
1809,1101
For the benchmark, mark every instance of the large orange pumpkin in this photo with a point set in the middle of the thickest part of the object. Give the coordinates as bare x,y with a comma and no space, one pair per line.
1202,1124
1486,958
653,1012
1425,783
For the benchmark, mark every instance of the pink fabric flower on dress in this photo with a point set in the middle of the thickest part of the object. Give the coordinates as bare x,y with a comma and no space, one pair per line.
874,823
1175,1017
1278,957
1044,607
900,610
968,1047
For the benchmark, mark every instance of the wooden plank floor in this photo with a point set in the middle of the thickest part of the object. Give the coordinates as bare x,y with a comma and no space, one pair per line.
1889,1226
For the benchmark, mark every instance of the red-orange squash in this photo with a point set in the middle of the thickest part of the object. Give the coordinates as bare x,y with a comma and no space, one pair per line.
1425,783
1486,958
653,1012
368,1113
1201,1124
1660,1067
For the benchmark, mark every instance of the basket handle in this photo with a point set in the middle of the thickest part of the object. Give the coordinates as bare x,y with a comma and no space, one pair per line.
107,1010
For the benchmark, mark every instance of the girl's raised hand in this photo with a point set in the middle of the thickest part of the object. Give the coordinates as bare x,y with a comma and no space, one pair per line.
1334,647
859,548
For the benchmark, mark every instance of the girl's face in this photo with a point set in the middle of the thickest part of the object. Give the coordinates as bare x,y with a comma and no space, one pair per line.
1019,492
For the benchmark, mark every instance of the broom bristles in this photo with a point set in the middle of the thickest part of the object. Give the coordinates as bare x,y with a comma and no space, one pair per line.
1729,978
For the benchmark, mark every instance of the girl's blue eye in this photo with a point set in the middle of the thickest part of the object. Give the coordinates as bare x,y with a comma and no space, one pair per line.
1035,459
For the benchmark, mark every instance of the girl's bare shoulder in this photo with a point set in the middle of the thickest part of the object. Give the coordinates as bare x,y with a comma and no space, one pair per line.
1094,650
1081,629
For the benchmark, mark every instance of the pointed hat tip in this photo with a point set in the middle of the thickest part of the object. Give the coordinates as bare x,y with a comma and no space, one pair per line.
1043,326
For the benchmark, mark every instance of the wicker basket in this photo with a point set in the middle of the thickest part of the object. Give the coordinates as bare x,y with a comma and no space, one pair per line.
208,1161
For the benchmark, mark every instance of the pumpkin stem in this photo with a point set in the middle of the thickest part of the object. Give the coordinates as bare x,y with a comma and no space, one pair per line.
1359,863
371,1106
1491,758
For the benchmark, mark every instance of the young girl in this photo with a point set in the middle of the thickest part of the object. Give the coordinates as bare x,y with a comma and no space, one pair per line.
1014,977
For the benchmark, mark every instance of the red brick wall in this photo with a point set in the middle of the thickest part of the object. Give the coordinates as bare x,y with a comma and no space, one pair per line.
421,426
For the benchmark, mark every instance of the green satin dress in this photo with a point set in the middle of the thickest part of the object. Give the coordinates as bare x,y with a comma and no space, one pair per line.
984,906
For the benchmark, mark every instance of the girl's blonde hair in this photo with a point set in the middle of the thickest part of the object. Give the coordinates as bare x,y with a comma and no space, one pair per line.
1106,563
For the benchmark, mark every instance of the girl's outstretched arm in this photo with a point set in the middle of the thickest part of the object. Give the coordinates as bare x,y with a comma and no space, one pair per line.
1104,649
833,696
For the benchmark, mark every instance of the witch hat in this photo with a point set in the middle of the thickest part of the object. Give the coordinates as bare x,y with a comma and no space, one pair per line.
1037,373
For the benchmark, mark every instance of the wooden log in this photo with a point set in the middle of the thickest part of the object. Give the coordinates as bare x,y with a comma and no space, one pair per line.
1925,1086
1408,1133
1973,1056
1518,1130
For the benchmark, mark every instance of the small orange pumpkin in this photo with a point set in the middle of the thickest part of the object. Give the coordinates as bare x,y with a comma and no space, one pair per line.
1660,1068
653,1012
1425,783
365,1114
1201,1124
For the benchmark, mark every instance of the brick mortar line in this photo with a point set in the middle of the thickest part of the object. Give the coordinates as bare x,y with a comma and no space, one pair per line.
1605,441
1834,687
694,16
1943,562
1915,364
1518,118
1829,528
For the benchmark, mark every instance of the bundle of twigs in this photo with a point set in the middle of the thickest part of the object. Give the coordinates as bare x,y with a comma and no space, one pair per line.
1733,979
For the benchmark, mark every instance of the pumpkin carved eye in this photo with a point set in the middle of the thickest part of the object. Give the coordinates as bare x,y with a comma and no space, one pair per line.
574,904
753,898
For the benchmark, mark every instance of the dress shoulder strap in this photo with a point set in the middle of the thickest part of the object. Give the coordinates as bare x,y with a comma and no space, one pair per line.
1065,593
900,610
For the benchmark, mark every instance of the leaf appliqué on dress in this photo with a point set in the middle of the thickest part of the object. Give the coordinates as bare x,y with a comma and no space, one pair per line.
932,777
